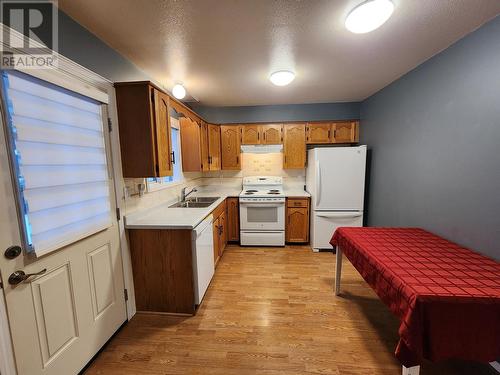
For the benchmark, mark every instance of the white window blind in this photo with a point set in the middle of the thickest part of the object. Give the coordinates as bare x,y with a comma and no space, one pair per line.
60,159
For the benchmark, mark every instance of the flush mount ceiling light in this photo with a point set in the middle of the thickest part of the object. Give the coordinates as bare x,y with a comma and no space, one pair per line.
179,91
282,77
369,16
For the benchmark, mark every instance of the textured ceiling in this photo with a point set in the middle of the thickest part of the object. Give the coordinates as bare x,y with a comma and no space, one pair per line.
224,50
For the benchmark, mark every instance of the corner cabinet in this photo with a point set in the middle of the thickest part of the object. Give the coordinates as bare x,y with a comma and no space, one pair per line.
297,220
294,146
230,147
144,124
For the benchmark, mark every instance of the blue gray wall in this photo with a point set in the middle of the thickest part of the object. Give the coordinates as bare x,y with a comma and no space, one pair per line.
434,136
270,113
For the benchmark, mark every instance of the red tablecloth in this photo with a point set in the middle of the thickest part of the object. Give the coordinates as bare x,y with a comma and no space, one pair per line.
446,296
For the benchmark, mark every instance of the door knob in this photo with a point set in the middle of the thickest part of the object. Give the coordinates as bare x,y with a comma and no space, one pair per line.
19,276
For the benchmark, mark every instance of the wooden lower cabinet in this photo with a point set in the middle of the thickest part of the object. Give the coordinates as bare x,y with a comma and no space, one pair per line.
162,264
233,219
297,220
219,231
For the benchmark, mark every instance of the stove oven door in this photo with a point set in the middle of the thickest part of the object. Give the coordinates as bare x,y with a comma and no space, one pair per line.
262,216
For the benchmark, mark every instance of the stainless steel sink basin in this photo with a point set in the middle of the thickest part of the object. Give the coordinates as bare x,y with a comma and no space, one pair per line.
196,202
202,199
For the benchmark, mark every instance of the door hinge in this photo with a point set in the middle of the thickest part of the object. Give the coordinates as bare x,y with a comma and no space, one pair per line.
118,216
125,293
110,124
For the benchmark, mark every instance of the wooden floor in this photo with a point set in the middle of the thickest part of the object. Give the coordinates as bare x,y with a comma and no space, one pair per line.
269,311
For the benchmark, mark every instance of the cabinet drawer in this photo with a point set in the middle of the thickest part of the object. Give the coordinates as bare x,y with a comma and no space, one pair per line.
297,202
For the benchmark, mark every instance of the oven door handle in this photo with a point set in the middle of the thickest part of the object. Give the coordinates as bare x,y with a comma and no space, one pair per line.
263,204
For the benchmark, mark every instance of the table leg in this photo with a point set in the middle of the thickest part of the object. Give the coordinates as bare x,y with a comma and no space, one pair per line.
415,370
338,270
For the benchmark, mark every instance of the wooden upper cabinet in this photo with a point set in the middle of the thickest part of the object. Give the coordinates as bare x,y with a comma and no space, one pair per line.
230,146
272,134
251,135
294,146
163,134
214,161
144,125
345,132
319,132
194,145
205,166
233,220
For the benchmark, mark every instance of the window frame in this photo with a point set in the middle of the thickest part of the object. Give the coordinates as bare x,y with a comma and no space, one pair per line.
159,183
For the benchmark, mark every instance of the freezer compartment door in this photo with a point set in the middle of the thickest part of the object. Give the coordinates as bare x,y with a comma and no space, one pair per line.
268,238
324,224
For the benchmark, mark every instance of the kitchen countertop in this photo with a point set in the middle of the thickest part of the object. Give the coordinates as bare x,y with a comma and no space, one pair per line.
299,193
163,217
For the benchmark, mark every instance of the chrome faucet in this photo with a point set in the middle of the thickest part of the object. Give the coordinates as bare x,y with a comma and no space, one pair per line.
184,195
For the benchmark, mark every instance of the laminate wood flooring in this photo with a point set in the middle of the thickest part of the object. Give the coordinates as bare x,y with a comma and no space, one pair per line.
270,311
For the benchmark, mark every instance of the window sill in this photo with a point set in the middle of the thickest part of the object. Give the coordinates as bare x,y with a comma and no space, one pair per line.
156,186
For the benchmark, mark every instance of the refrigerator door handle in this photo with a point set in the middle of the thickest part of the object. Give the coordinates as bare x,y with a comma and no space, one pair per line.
318,182
340,214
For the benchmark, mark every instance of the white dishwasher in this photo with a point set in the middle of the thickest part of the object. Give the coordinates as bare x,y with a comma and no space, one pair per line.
203,257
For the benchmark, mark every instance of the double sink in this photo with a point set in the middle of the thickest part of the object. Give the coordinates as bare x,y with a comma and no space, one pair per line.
195,202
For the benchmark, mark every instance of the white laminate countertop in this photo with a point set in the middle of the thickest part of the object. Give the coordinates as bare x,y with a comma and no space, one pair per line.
299,193
164,217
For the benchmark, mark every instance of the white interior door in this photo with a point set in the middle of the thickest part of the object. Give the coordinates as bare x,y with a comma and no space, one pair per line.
61,318
324,224
340,175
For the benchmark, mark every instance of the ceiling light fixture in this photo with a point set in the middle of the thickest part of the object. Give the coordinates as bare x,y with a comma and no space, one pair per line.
179,91
369,16
282,77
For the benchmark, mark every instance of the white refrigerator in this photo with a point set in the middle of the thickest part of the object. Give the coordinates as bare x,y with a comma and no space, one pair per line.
335,178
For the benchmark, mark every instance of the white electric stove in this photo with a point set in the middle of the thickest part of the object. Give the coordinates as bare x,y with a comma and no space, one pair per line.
262,211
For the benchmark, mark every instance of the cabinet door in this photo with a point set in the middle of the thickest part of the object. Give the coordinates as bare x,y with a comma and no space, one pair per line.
233,220
216,229
318,133
204,147
294,146
297,225
222,233
345,132
251,134
163,134
214,147
191,145
230,146
272,134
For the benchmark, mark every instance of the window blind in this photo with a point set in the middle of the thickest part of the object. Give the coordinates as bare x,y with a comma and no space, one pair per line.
59,154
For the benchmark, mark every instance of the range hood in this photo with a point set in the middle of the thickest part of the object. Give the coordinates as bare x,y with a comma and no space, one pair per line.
261,149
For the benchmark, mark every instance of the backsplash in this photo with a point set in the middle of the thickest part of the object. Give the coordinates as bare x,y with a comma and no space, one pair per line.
270,164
